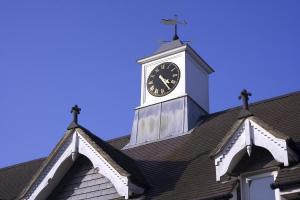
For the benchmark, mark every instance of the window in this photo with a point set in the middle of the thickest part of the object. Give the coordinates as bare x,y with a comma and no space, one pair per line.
257,187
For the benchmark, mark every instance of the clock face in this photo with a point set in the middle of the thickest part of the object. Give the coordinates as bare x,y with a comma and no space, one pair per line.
163,79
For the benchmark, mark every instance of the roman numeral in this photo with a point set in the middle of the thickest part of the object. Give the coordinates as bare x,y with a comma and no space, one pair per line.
150,82
152,88
162,66
174,75
173,82
157,70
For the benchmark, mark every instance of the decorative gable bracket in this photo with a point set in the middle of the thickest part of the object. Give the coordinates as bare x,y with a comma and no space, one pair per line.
246,133
63,157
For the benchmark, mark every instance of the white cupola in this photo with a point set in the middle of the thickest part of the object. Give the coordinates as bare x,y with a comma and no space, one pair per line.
174,92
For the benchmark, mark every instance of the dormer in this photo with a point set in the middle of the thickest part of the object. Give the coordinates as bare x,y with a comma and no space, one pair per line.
83,166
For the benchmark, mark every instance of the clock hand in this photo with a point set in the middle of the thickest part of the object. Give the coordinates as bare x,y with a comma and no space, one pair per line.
165,81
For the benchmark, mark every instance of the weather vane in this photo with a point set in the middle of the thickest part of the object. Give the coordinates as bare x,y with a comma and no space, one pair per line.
174,22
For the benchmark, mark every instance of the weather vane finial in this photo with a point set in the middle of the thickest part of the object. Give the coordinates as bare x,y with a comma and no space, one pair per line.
174,22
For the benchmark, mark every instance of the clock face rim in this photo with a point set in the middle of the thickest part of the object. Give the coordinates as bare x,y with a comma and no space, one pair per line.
171,89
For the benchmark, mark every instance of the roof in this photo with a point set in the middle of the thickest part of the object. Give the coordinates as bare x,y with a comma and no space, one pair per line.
166,46
181,167
15,178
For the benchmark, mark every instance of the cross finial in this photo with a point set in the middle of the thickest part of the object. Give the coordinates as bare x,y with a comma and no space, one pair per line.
75,111
174,22
245,97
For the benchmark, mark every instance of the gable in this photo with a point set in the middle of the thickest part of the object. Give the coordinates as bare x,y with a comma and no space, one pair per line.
246,134
75,143
83,181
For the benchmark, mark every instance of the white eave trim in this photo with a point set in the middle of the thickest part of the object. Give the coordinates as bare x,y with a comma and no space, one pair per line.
162,54
73,146
248,134
290,191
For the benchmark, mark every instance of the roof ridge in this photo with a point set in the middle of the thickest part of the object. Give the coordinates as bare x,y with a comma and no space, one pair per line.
19,164
261,101
117,138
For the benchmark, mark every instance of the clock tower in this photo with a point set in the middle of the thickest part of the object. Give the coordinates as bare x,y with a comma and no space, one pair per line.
174,93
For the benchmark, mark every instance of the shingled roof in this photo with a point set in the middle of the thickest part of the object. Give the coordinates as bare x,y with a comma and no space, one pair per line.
181,168
14,178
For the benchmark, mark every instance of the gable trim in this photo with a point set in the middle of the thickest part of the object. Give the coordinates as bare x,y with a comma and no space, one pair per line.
247,134
105,168
45,164
47,176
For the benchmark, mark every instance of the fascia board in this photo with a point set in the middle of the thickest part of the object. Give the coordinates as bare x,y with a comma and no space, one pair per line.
46,163
186,48
162,55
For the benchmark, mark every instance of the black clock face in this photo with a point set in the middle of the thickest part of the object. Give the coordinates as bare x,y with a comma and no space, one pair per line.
163,79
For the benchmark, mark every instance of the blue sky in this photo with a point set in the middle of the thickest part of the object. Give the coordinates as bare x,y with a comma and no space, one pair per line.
54,54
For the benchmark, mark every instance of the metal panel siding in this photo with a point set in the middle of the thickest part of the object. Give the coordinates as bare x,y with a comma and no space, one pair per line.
194,112
84,182
164,120
149,123
172,118
134,130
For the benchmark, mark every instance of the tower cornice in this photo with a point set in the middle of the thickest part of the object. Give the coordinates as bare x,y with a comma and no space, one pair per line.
187,48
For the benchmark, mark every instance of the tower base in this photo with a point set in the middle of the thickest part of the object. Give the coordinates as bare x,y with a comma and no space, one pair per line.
164,120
